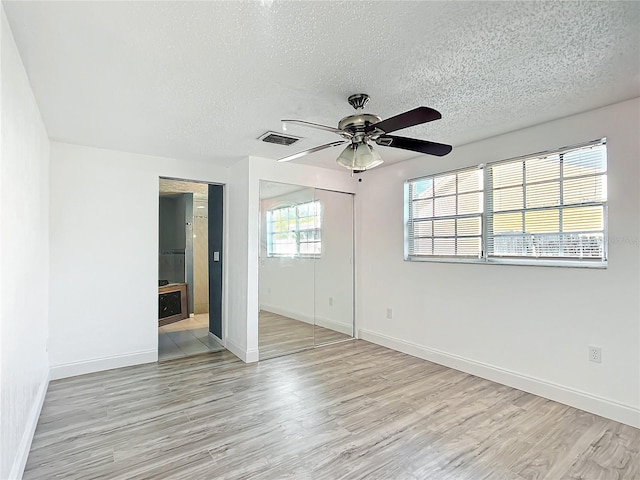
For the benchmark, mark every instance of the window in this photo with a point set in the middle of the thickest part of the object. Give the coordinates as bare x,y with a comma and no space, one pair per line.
549,207
294,230
445,215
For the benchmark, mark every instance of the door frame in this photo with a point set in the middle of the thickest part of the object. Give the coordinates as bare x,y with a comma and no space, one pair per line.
225,246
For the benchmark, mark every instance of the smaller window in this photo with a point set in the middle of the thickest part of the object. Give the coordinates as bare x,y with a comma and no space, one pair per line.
444,215
295,231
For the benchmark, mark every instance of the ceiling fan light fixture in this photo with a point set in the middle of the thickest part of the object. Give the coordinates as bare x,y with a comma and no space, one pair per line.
366,157
359,157
347,157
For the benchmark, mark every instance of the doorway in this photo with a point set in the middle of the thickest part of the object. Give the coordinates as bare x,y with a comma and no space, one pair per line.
189,268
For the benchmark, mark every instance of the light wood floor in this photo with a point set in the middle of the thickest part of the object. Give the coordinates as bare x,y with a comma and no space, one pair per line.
278,335
351,410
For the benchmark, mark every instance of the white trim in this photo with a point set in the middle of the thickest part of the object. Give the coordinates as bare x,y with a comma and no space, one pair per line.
100,364
604,407
247,356
20,460
252,356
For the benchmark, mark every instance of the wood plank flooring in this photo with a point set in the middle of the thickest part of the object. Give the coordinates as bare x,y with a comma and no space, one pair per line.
278,334
351,410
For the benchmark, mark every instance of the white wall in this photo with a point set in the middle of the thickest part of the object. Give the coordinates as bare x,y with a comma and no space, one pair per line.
24,256
524,326
104,255
238,260
301,288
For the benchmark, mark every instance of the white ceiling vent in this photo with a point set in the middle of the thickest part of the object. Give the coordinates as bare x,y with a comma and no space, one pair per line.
278,138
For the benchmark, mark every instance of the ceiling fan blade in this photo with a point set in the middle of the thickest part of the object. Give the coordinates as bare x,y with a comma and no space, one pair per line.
311,150
415,145
407,119
315,125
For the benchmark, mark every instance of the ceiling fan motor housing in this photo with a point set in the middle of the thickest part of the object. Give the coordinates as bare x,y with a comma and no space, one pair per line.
358,122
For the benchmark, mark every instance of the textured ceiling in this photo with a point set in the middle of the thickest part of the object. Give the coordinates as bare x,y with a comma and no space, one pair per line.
202,80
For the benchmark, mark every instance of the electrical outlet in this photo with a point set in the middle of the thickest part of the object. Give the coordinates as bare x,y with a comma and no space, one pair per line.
331,301
389,313
595,354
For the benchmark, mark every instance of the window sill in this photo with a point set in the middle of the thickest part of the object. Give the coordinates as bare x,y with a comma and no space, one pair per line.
513,261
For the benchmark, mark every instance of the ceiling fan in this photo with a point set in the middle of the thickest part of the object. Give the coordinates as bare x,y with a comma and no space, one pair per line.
362,128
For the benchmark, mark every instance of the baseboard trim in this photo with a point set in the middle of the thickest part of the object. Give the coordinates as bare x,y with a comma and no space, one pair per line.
623,413
99,364
252,356
20,460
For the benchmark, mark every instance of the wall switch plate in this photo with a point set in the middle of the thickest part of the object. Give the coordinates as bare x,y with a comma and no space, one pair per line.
331,301
389,313
595,354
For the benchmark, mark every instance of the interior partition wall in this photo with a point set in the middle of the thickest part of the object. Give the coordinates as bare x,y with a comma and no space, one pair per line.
306,277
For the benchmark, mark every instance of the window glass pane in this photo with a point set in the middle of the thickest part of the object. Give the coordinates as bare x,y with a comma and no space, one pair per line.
542,221
422,188
445,185
507,222
469,246
585,161
541,169
470,181
469,226
515,245
422,208
583,190
507,199
543,195
584,245
309,248
445,206
423,246
506,174
423,229
443,228
444,246
470,203
582,219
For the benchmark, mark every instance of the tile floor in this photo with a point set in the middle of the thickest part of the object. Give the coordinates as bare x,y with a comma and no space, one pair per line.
186,337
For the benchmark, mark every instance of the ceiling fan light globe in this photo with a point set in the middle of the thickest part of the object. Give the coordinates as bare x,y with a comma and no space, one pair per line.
359,157
347,157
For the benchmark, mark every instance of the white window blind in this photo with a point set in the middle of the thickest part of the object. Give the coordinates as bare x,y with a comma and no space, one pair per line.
295,230
549,207
444,215
546,208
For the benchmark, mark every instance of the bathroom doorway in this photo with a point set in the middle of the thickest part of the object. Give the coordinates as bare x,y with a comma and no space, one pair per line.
189,268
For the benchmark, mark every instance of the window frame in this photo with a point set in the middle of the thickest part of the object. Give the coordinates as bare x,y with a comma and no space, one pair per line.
487,215
296,232
457,216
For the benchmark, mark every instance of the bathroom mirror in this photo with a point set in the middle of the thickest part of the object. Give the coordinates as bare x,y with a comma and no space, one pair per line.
306,268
